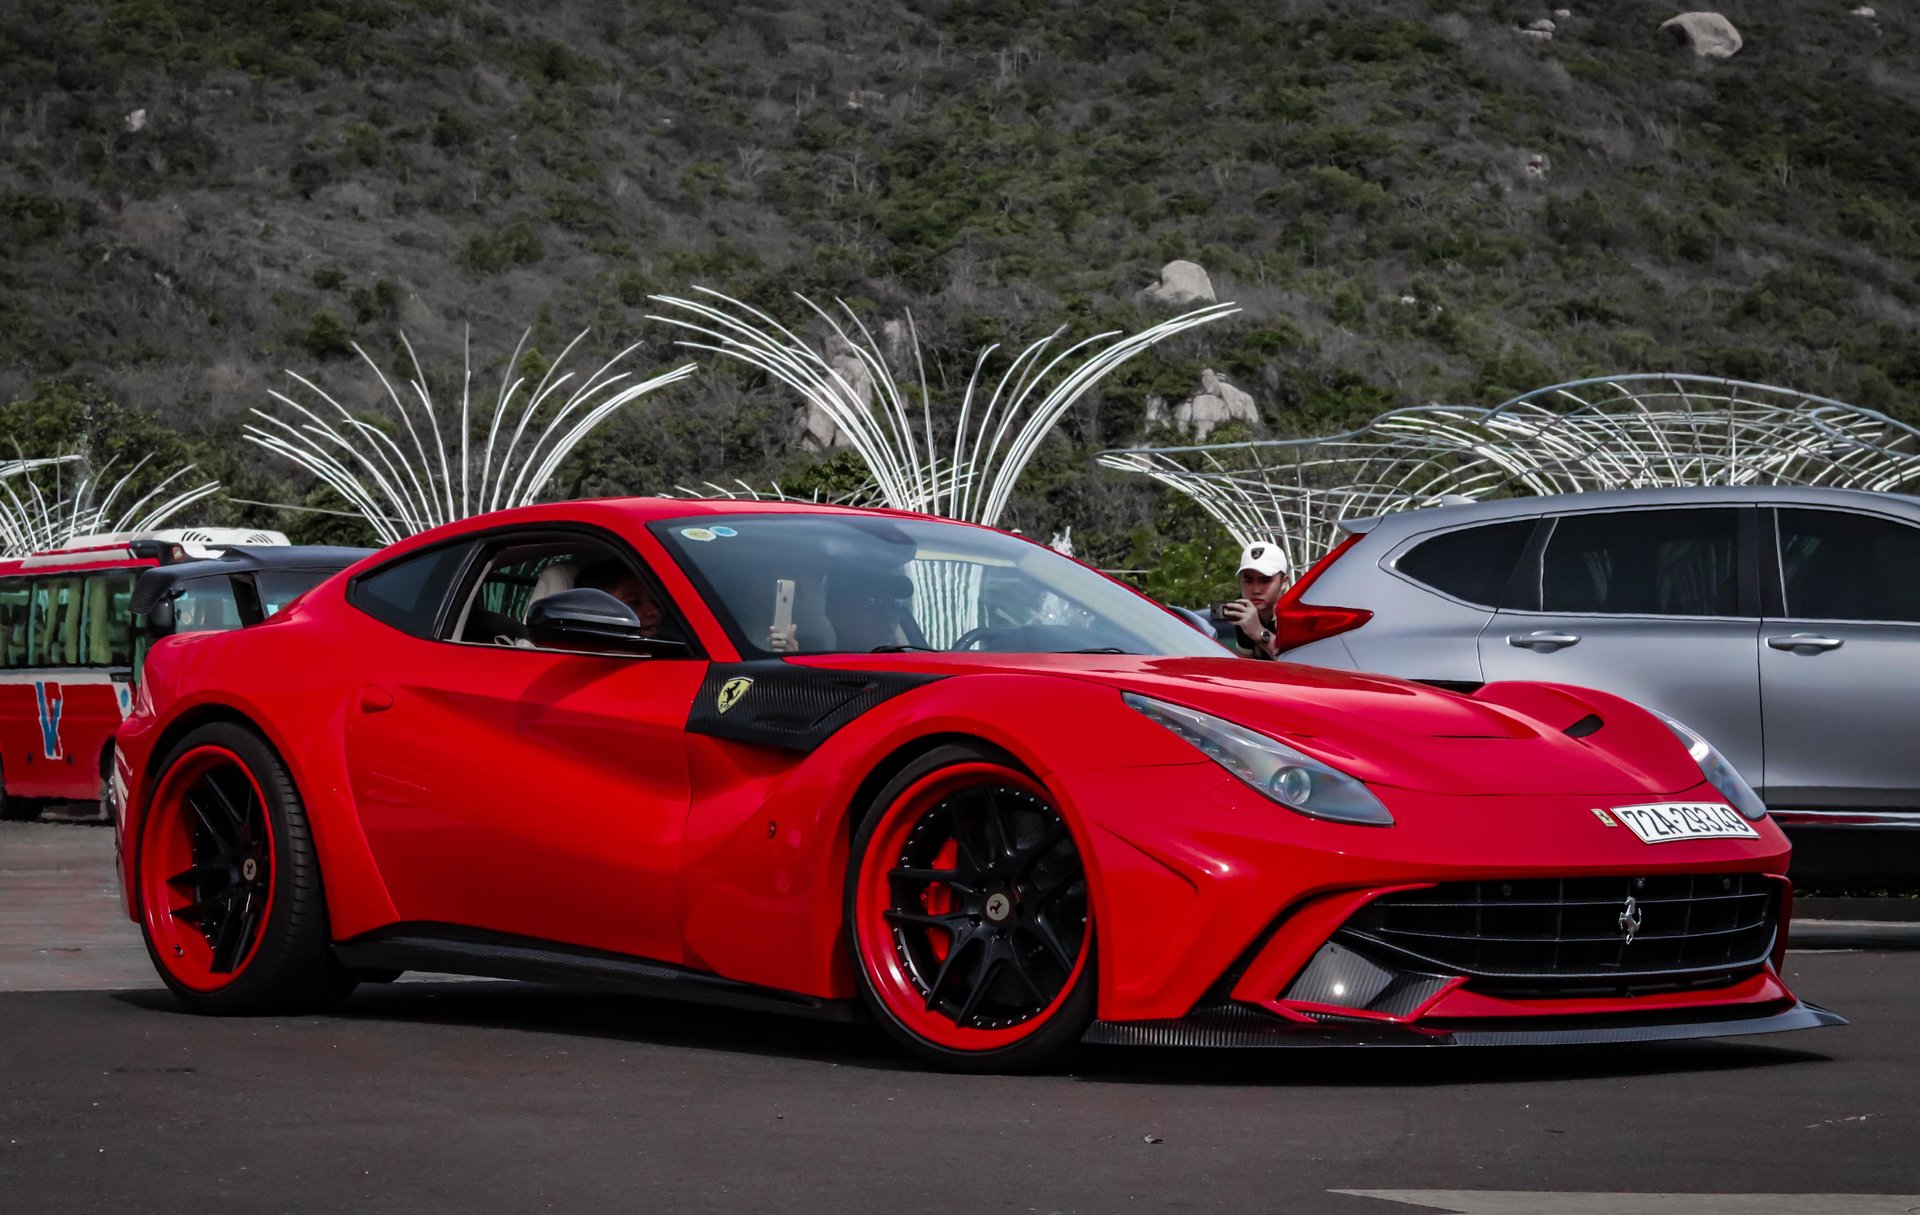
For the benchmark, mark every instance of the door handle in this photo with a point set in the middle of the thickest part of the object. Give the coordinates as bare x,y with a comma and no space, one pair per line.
375,699
1543,640
1805,641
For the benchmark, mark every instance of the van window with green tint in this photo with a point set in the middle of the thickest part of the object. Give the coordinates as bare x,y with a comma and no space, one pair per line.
14,593
55,608
109,619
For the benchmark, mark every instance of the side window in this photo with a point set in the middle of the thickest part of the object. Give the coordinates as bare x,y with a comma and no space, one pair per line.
1644,563
516,575
1835,565
205,605
278,588
14,593
1473,563
407,593
53,624
109,619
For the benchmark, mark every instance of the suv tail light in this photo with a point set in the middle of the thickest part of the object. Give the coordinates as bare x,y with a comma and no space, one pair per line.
1295,623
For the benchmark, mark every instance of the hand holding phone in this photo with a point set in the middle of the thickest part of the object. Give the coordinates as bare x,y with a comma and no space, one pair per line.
782,603
781,636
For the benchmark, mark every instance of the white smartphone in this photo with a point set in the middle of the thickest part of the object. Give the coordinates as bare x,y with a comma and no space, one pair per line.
783,604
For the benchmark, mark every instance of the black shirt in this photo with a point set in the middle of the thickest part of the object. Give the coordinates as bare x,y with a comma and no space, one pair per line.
1242,641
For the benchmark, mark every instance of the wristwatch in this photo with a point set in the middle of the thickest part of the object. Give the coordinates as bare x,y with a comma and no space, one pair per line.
1266,636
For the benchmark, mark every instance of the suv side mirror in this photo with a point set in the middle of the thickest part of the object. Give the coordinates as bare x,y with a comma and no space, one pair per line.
591,620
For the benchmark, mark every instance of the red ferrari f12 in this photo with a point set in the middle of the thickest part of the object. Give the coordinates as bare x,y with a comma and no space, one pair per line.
822,761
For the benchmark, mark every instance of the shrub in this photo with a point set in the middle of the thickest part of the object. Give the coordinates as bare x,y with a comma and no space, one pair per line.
517,244
326,337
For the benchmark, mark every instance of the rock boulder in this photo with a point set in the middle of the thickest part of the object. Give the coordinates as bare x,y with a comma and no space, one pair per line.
822,432
1708,35
1181,282
1217,403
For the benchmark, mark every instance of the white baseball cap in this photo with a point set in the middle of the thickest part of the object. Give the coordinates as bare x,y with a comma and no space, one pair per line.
1264,557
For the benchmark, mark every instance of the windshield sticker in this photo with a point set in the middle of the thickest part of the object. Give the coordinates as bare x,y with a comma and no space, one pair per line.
724,531
697,533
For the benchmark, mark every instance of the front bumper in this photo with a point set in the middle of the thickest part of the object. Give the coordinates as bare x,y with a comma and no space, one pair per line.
1240,1026
1207,893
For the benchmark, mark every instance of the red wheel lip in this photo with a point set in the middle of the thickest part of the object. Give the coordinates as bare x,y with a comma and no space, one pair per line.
165,811
873,936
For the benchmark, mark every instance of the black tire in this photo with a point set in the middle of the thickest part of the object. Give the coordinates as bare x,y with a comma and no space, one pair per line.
288,966
16,809
1058,1039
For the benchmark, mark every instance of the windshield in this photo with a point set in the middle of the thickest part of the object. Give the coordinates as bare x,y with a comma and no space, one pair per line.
860,584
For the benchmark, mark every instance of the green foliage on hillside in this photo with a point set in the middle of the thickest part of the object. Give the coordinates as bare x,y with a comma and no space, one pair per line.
1411,201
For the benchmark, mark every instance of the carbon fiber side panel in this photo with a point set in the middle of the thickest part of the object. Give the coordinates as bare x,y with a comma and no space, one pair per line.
778,704
451,949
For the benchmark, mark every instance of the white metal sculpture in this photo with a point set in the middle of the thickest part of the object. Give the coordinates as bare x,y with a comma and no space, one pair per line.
35,517
742,491
1615,432
421,476
992,439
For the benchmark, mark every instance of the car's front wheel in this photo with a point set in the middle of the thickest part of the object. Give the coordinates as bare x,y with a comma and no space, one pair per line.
969,915
229,886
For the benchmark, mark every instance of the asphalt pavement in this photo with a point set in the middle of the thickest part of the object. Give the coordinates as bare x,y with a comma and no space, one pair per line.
482,1096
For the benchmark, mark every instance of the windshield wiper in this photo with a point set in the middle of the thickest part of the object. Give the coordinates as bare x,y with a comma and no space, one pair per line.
901,649
1099,649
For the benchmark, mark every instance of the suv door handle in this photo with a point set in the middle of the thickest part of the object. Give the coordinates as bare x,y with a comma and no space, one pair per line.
1543,640
1805,641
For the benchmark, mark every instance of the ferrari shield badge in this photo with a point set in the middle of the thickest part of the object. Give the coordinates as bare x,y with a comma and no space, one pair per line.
731,692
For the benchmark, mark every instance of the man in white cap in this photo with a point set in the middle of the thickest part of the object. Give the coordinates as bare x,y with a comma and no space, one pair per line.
1263,575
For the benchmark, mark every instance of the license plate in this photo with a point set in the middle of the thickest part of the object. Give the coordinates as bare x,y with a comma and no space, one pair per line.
1665,822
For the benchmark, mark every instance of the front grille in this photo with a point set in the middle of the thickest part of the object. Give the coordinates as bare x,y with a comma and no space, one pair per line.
1567,936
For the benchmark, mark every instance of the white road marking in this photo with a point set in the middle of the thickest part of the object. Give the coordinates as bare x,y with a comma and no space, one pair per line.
1548,1202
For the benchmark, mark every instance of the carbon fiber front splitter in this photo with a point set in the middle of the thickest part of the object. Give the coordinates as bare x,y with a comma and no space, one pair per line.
1240,1026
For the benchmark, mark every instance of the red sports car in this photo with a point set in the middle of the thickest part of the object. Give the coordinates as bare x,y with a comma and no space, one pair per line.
808,759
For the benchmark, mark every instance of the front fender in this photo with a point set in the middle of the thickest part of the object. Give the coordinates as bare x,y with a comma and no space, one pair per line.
769,831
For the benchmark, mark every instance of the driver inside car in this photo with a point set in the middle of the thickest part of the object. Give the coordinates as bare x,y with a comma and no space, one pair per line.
867,610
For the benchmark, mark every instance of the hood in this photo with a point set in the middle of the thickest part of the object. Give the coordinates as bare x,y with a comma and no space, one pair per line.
1508,739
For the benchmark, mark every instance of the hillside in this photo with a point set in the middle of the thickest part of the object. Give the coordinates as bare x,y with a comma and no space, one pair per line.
1412,201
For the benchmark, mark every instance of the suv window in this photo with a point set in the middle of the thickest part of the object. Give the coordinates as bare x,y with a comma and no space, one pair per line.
277,588
1835,565
407,593
1473,563
202,605
1643,563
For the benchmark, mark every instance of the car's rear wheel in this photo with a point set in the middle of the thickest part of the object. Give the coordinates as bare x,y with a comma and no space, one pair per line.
969,915
229,887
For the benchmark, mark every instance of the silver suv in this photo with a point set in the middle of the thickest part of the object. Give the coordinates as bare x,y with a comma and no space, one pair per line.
1781,623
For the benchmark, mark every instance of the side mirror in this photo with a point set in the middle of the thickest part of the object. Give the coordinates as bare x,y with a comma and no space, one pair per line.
596,622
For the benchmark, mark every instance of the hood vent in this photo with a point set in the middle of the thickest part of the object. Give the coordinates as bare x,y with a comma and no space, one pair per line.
1585,726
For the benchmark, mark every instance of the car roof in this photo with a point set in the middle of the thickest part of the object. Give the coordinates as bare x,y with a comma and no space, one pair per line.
1399,523
155,582
605,512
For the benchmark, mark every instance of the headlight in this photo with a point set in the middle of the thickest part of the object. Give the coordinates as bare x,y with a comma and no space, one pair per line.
1719,773
1299,782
